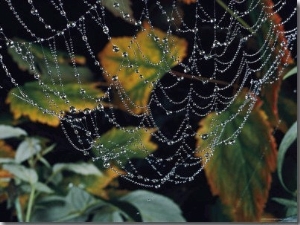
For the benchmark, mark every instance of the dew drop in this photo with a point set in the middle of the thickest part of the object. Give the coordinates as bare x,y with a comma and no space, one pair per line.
72,109
116,5
204,136
105,30
115,48
87,111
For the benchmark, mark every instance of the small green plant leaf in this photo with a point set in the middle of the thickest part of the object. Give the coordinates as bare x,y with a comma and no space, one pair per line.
290,73
75,207
7,131
286,142
120,8
108,214
27,148
79,168
154,207
7,160
21,172
286,202
43,188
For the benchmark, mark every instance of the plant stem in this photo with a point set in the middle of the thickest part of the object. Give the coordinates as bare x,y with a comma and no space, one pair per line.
30,203
243,22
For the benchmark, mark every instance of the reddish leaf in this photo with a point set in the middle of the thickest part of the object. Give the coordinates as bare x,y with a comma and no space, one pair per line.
240,174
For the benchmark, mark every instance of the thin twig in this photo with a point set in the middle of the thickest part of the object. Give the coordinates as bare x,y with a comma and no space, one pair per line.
243,22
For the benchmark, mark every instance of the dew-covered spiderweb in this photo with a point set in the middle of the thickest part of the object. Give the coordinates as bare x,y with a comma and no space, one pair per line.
175,59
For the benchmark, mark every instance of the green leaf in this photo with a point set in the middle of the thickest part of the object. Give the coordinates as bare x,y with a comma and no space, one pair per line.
19,107
76,207
136,143
240,170
108,214
43,188
7,160
286,142
7,131
290,73
154,207
80,168
123,10
136,75
27,148
21,172
286,202
291,219
44,61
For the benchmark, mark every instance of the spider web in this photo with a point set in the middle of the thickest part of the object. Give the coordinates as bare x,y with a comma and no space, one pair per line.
223,60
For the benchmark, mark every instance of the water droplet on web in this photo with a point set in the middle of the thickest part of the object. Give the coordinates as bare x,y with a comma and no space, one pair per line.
88,133
125,54
87,111
204,136
115,48
105,30
231,142
72,109
115,78
106,164
85,153
116,5
84,38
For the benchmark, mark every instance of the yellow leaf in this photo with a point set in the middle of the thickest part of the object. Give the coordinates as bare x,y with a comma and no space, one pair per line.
137,63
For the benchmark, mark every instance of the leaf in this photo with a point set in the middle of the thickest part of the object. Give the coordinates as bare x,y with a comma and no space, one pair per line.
144,64
154,207
6,151
93,184
290,73
43,188
7,131
108,214
120,8
80,168
28,148
21,172
44,61
75,207
240,173
136,144
19,107
287,112
286,142
286,202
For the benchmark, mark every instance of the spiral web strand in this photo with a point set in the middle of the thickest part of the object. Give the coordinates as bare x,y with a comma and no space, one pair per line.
224,50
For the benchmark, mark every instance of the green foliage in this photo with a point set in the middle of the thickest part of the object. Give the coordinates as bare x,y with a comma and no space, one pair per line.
43,190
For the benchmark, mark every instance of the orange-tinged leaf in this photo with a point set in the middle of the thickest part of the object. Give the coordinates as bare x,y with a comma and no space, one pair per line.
19,107
240,173
270,92
6,151
137,63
